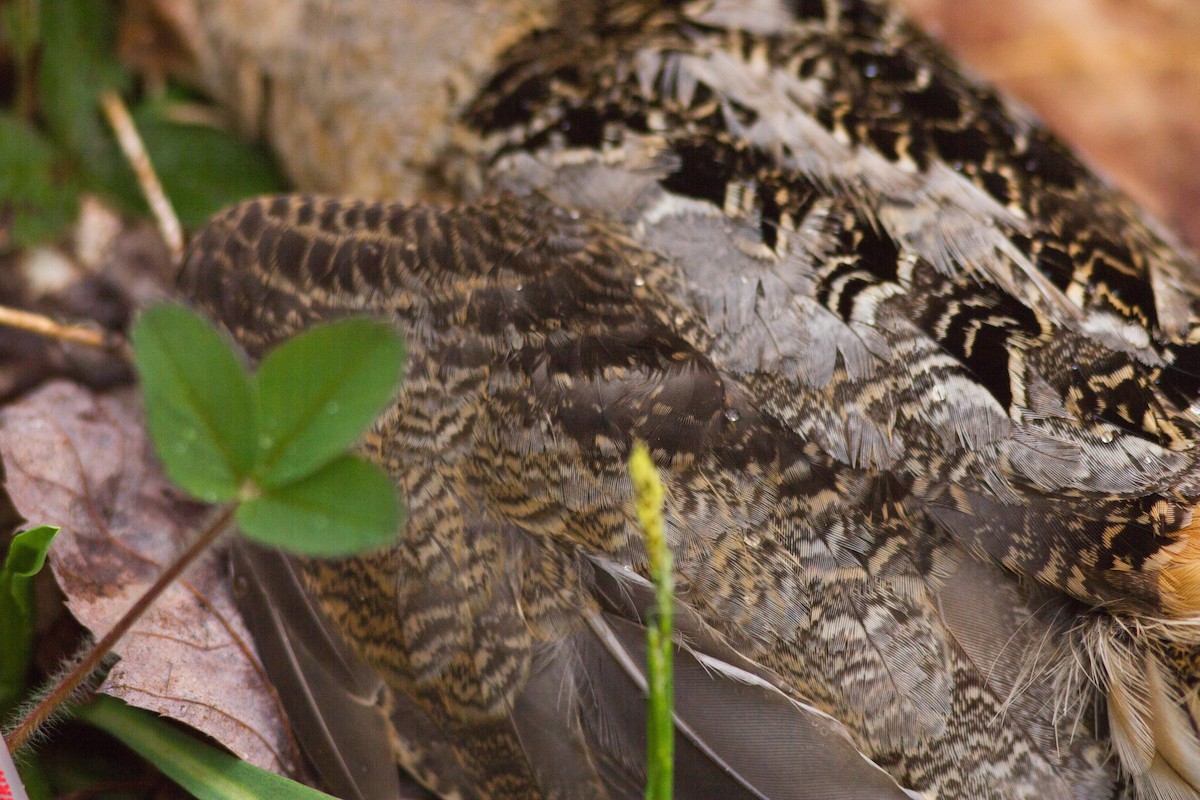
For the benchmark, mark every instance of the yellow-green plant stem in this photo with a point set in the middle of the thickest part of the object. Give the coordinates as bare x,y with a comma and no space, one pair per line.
660,727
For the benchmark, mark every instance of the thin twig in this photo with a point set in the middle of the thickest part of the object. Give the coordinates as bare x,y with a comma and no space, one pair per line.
88,664
139,159
75,334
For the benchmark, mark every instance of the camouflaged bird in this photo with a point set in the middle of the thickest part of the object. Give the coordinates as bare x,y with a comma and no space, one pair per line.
923,390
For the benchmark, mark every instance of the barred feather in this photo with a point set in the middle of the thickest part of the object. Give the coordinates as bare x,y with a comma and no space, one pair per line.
918,383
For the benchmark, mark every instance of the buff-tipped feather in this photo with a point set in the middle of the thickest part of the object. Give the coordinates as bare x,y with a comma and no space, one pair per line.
1177,760
1179,579
1150,717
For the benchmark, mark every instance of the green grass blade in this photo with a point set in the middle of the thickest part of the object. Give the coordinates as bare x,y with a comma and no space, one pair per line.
204,771
346,507
660,725
199,402
318,392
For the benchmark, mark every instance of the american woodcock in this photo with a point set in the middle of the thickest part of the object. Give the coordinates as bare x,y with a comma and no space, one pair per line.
923,390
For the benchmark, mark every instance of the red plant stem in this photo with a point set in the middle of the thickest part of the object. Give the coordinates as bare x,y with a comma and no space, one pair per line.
83,670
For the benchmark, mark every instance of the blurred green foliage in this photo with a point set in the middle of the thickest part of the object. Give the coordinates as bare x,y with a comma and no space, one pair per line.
55,144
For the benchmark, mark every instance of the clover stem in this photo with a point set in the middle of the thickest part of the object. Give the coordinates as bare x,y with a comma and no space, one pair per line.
62,692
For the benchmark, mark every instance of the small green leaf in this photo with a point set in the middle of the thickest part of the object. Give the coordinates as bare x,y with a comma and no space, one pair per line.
204,169
36,194
204,771
27,552
26,556
318,392
199,402
346,507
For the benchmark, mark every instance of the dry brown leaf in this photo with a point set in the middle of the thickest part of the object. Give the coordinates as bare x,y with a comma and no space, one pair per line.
82,461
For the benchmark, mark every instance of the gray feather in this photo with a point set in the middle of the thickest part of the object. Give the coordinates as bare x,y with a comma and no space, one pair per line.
331,699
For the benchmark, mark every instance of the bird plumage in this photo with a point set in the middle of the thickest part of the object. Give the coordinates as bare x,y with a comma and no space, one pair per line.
918,382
